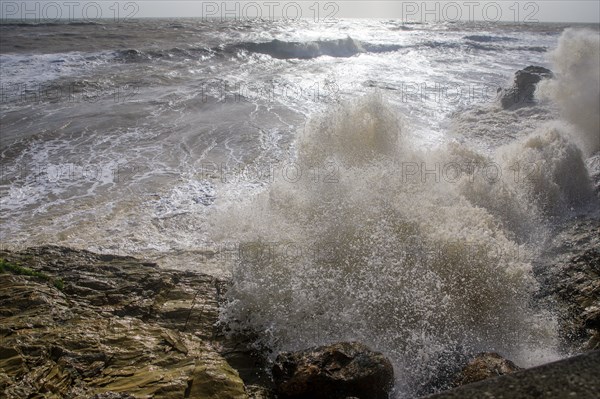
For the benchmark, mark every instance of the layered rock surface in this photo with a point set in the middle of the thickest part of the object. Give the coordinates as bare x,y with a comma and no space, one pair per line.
114,327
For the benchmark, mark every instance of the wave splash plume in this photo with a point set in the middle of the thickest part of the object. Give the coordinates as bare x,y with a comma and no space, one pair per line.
577,87
413,268
422,267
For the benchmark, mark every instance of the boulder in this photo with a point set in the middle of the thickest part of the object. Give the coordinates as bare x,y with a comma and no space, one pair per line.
341,370
483,366
523,89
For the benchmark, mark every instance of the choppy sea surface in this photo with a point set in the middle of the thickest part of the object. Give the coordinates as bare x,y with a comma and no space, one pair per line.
357,179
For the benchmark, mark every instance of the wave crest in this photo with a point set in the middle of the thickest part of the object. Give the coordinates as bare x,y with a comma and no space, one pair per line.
347,47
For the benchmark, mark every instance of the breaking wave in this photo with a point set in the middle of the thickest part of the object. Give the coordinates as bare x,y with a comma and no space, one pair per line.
347,47
343,48
22,24
134,55
488,39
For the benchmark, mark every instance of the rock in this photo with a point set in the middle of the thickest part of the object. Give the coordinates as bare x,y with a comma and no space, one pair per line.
115,328
456,366
576,377
347,369
483,366
523,89
569,277
578,286
573,286
259,392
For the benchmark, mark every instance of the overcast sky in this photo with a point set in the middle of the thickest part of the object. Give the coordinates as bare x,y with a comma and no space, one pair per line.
465,10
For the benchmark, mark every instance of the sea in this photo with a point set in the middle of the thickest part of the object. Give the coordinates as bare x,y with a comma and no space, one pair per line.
355,179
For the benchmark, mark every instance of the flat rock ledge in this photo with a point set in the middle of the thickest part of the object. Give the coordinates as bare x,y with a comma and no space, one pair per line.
74,324
576,377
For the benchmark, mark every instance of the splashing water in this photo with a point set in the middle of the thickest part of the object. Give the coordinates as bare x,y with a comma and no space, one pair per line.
577,89
417,253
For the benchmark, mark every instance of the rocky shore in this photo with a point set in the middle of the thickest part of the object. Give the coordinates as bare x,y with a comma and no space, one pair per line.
81,325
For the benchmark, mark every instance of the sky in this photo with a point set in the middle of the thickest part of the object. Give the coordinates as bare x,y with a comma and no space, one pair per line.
521,11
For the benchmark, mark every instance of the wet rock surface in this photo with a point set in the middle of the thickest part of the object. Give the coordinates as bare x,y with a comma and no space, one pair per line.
114,327
578,286
458,366
484,366
341,370
570,280
576,377
523,89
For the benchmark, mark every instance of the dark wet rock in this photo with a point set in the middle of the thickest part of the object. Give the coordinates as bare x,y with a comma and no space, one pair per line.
456,366
341,370
115,327
576,377
593,165
483,366
578,287
523,89
570,281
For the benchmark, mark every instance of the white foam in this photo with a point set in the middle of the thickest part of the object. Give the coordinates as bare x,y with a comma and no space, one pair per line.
576,89
412,267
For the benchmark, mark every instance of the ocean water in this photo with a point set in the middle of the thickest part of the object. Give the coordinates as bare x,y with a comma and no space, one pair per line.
357,179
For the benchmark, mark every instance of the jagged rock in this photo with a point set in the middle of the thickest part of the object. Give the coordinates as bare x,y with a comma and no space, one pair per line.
523,89
347,369
114,327
569,277
575,287
483,366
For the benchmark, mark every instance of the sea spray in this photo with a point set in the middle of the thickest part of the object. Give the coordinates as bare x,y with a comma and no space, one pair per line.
543,180
404,262
576,88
